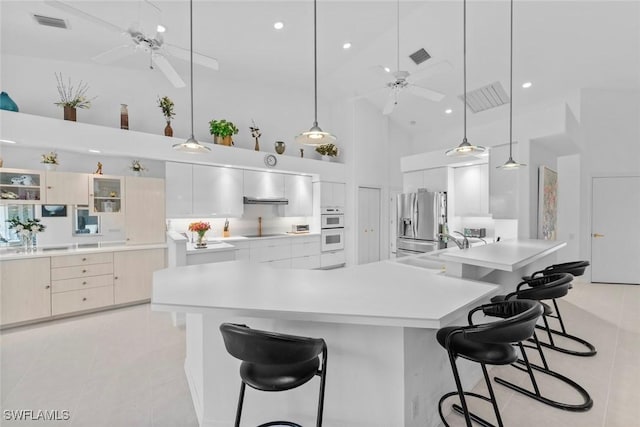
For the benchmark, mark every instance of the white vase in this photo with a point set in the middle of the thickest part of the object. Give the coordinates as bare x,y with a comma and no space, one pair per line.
326,158
50,166
137,173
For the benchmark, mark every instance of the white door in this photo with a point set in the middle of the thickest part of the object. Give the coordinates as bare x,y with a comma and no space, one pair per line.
368,225
615,231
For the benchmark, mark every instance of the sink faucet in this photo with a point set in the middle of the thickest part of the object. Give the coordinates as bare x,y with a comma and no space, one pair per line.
461,245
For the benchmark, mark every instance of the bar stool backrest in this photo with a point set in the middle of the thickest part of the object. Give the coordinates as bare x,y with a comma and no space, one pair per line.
544,287
575,268
520,317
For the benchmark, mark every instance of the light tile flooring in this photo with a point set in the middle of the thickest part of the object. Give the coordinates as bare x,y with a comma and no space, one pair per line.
124,368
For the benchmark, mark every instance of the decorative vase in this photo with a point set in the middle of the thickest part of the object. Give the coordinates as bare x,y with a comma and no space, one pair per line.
326,158
124,117
280,147
69,113
201,242
226,233
257,146
50,166
27,241
6,103
137,173
168,131
302,152
223,140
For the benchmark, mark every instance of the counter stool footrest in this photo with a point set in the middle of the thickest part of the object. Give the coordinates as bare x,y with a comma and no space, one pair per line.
457,408
590,352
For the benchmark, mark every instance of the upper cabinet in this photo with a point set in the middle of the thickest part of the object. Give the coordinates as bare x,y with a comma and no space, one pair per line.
67,188
332,194
20,186
262,185
299,191
471,190
218,191
105,194
179,189
144,217
434,179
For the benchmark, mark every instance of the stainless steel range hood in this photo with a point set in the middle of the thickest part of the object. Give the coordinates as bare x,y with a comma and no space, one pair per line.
265,201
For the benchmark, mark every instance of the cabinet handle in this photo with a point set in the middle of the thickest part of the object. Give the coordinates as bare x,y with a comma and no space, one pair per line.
84,283
84,259
127,239
49,187
84,299
84,271
47,287
115,277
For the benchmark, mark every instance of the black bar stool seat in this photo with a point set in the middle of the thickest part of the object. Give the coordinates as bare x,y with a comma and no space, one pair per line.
278,377
490,353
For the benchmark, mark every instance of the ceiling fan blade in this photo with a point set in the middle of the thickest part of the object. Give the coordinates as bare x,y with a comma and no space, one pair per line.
423,92
114,54
198,58
84,15
392,101
438,68
168,70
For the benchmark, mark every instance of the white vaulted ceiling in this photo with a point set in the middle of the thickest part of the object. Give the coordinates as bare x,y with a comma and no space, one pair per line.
561,46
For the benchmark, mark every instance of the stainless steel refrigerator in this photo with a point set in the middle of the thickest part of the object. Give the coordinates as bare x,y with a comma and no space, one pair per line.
421,218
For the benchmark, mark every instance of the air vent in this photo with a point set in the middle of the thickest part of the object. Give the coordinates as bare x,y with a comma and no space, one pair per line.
420,56
48,21
485,98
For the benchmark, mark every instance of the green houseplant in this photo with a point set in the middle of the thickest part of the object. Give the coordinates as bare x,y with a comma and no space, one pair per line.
166,105
327,151
222,130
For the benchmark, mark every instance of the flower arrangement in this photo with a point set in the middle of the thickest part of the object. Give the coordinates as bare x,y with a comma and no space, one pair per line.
327,150
201,228
255,130
136,166
50,158
166,105
26,227
70,97
222,128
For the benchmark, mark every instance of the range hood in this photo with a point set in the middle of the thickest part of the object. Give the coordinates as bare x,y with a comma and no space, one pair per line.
265,201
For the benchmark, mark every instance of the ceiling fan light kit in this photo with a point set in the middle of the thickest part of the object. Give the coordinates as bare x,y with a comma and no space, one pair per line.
465,148
315,135
511,164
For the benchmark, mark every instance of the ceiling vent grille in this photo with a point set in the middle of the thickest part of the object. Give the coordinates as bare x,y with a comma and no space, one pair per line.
419,56
48,21
485,98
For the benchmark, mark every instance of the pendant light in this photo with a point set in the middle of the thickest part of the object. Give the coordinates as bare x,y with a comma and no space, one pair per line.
511,164
315,135
465,149
191,145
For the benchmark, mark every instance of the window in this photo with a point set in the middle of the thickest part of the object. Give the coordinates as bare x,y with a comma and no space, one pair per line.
22,212
85,224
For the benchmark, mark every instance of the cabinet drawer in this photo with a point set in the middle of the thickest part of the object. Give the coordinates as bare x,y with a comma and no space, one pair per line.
85,259
306,262
329,259
81,271
282,263
81,283
84,299
270,253
306,248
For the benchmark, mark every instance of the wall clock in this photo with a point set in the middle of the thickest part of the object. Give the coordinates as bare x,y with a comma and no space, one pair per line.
270,160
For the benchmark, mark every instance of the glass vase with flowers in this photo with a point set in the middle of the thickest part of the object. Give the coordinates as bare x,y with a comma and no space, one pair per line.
26,230
201,228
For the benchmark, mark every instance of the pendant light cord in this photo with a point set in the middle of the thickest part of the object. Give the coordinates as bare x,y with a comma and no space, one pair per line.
191,60
398,38
464,63
315,66
511,85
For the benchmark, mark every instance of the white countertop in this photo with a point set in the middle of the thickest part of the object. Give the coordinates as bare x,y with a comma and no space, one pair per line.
211,247
12,253
506,255
382,293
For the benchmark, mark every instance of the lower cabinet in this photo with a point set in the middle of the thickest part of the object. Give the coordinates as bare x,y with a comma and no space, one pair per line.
80,300
25,290
133,274
300,252
306,262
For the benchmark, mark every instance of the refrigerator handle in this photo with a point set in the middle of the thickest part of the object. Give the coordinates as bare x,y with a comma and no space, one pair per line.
414,224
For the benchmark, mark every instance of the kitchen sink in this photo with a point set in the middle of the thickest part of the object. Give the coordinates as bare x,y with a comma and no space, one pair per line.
264,235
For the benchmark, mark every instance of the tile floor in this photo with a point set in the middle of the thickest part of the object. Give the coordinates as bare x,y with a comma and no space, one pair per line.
124,368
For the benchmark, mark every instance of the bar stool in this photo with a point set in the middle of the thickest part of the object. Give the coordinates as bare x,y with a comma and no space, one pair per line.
487,344
575,268
543,288
275,362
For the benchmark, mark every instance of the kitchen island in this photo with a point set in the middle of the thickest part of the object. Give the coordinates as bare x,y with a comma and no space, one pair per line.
379,320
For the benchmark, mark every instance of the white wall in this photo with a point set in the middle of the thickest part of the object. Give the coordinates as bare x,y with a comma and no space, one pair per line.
569,212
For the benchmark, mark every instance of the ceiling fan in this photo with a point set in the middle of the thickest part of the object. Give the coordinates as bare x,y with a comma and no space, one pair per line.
404,81
153,45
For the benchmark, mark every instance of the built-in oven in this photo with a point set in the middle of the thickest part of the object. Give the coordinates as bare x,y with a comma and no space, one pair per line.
332,218
332,239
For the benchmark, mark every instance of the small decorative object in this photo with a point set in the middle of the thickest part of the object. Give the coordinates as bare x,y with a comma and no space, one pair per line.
166,104
302,152
270,160
26,230
280,146
1,162
113,194
225,229
137,167
22,180
71,98
222,131
98,169
201,228
255,133
124,117
327,151
6,103
50,161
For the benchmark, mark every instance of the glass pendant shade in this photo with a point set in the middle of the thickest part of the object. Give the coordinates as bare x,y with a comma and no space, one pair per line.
510,165
191,146
315,136
465,149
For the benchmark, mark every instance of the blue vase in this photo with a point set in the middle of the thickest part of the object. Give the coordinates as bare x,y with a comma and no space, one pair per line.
6,103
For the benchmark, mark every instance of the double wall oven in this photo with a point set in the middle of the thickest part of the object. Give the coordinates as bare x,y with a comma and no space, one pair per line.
332,229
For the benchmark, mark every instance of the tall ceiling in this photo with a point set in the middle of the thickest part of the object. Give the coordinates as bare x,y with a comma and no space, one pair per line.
560,46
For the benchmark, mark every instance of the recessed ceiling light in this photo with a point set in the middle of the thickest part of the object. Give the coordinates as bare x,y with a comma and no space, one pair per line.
94,151
387,69
161,28
526,85
278,25
7,141
346,46
448,111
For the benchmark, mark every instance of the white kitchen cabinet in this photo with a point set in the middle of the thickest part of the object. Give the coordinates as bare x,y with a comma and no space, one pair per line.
25,290
209,257
412,181
243,250
218,191
106,194
298,189
332,194
368,225
133,273
503,184
270,250
471,190
261,184
309,262
434,179
179,189
67,188
144,217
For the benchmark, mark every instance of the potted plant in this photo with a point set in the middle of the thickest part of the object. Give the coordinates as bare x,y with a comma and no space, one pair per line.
50,160
327,151
166,105
137,167
222,131
71,98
